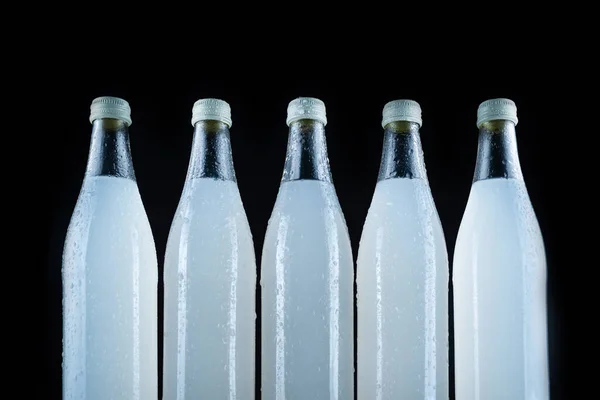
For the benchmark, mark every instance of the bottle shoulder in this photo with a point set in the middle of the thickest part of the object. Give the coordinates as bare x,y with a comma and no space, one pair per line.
306,209
201,195
402,200
209,208
305,199
499,217
104,232
502,200
307,194
103,197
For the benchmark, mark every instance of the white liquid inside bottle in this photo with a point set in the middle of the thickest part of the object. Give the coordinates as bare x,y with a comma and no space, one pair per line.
210,279
500,296
109,295
402,286
307,297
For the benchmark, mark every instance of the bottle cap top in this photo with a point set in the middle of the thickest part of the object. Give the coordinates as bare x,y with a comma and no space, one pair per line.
494,109
110,107
211,109
306,108
401,110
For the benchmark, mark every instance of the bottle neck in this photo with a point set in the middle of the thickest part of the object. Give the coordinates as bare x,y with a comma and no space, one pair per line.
306,156
402,155
211,152
497,155
110,154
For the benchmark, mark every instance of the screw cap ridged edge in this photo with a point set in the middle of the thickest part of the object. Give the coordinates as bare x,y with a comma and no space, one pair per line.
494,109
401,110
211,109
110,107
306,108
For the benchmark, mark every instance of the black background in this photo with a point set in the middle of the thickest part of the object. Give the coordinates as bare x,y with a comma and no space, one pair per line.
161,136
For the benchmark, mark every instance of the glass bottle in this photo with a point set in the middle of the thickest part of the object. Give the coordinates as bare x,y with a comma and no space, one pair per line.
109,273
499,273
307,273
402,273
210,273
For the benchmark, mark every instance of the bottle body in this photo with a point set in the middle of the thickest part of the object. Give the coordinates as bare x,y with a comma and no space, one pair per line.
307,314
307,280
499,278
209,280
109,276
402,296
500,296
402,281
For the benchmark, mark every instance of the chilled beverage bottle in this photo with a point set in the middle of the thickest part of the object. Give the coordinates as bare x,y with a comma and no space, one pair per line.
210,273
402,273
109,273
307,273
499,274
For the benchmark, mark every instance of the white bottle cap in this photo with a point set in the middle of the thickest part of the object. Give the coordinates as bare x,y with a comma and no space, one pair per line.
306,108
211,109
494,109
110,107
401,110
